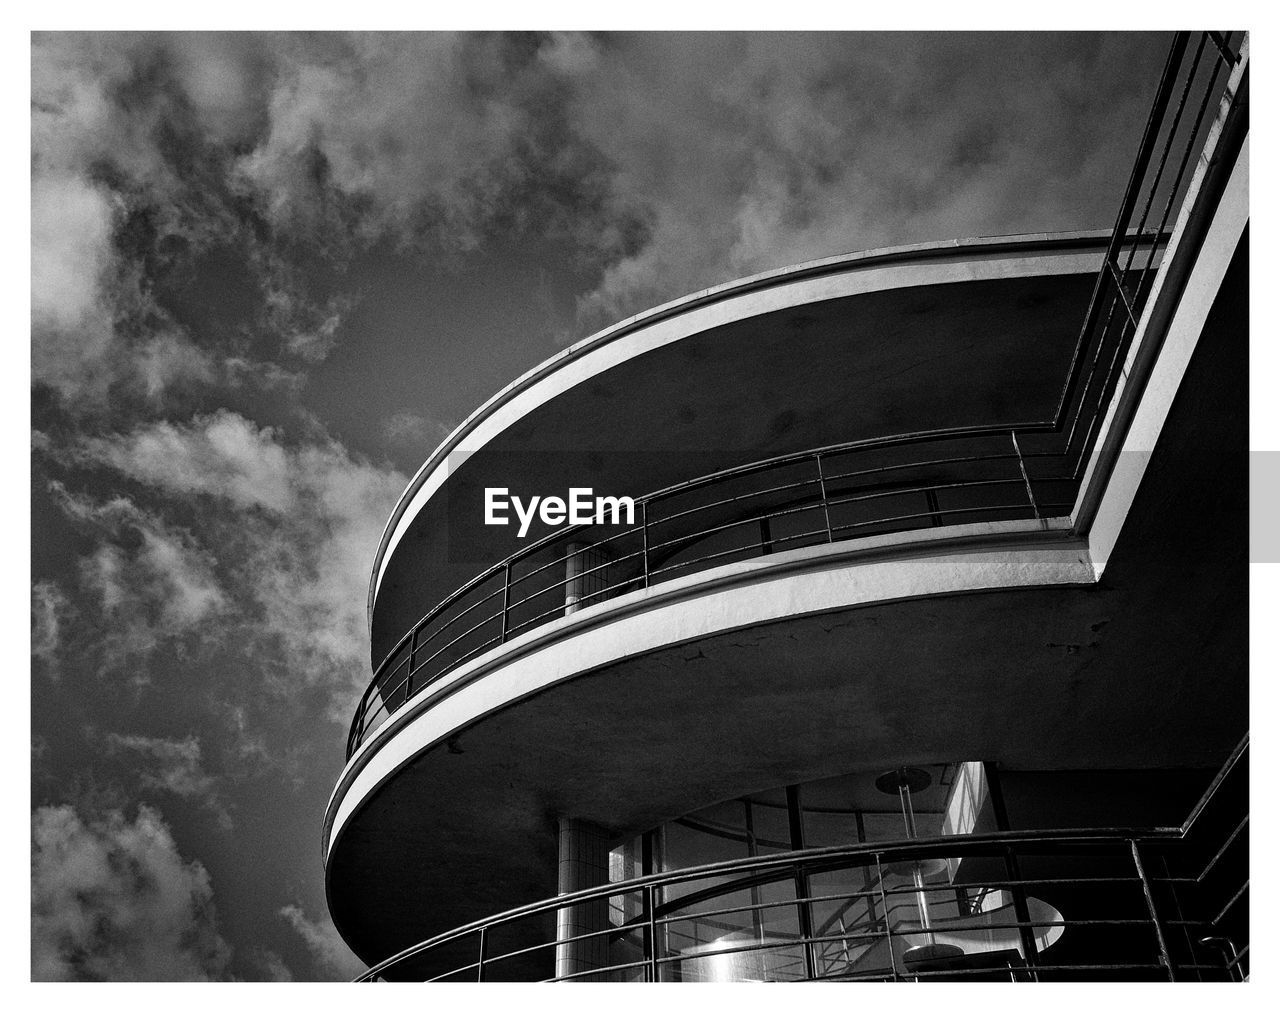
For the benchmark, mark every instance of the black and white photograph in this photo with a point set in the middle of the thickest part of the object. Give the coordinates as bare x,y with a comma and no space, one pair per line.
636,506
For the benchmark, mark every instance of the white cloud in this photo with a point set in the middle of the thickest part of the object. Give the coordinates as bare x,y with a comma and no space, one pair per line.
81,287
309,575
295,529
174,766
220,455
322,939
113,900
168,360
51,612
273,967
192,591
113,208
151,580
414,431
75,120
397,120
71,223
223,75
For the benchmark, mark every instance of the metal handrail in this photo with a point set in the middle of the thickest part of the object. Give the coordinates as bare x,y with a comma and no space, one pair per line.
653,568
1099,350
751,871
735,876
810,861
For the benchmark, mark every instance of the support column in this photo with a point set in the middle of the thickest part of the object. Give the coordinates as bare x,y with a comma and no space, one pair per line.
583,863
585,576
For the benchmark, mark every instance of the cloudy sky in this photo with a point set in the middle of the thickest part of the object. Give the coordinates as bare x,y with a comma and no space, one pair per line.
271,272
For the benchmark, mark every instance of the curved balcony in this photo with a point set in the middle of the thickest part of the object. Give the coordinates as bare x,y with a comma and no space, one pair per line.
1166,903
920,481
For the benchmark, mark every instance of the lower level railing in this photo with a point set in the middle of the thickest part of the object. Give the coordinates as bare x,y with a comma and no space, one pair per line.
1115,904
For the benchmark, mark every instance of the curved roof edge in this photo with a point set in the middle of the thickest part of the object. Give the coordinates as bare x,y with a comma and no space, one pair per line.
867,258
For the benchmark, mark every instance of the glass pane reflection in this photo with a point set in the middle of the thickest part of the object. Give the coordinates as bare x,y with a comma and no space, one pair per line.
752,928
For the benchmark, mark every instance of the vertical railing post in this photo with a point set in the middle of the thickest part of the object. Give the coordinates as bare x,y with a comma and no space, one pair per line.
805,914
1030,950
413,650
1121,291
651,934
1177,910
995,791
1026,481
822,491
506,600
480,959
884,910
644,539
935,509
1151,909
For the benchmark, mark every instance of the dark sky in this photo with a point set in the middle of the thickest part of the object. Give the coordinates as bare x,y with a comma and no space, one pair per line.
271,272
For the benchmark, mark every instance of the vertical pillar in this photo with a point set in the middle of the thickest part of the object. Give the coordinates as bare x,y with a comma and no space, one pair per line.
584,576
583,863
803,910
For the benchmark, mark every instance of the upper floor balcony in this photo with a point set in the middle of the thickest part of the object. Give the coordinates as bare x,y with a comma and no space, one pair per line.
962,370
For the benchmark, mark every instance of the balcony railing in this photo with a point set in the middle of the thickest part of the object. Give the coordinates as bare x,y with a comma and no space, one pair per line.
912,481
1116,904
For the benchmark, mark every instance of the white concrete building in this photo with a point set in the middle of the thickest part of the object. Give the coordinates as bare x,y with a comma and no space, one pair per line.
927,641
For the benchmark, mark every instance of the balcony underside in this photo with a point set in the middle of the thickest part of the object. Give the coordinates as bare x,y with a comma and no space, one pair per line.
1146,668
